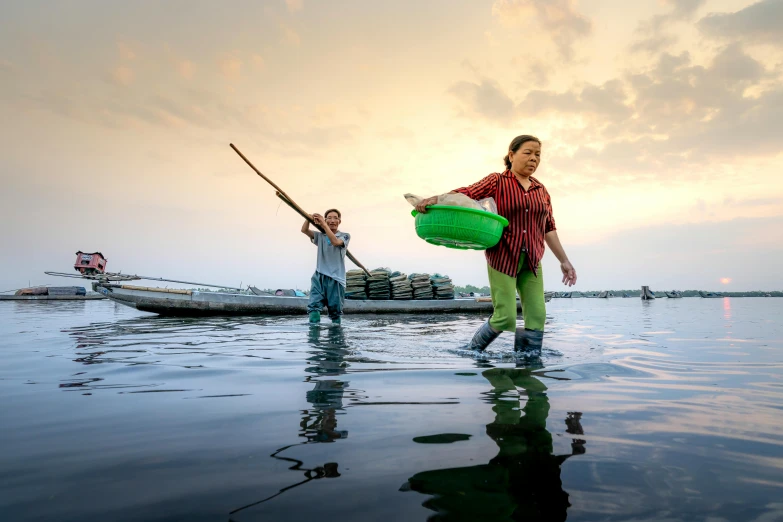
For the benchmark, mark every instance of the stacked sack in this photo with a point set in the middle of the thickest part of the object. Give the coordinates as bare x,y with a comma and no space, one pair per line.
442,286
378,286
400,286
422,288
355,284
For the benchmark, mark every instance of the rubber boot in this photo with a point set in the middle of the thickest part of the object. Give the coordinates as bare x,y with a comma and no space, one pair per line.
337,320
315,317
528,340
483,337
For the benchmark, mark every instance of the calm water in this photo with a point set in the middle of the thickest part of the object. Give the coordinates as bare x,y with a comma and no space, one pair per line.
665,410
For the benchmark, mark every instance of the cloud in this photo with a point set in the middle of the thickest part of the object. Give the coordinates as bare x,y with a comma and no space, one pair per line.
126,53
186,69
258,62
122,76
230,67
675,115
653,44
294,5
488,100
485,98
607,100
684,8
533,72
652,37
289,35
398,133
758,23
559,18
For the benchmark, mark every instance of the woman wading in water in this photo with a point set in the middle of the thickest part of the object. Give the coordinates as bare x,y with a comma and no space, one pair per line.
514,264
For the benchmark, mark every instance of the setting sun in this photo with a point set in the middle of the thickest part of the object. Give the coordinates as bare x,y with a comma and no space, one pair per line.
725,280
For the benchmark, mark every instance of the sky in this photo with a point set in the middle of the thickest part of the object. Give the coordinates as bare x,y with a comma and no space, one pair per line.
661,123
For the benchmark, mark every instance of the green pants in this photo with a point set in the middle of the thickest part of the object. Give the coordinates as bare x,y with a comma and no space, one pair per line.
504,299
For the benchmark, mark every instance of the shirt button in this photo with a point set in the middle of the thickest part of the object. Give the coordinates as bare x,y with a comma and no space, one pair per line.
525,194
525,210
524,231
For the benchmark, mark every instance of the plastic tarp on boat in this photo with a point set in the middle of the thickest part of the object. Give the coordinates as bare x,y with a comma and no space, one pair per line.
288,292
37,290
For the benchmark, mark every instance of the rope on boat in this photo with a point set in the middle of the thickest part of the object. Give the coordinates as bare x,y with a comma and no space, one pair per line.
114,277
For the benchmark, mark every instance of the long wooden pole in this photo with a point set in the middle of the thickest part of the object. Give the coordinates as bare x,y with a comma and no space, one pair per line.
290,202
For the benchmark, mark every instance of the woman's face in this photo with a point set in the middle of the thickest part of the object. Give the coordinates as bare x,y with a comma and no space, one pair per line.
526,159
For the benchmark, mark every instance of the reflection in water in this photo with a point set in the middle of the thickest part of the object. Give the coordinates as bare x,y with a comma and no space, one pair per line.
319,423
523,481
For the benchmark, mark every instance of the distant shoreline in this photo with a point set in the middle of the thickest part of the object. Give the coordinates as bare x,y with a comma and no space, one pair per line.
637,293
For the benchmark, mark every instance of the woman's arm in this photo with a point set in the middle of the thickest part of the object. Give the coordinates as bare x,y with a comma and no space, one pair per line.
569,273
485,188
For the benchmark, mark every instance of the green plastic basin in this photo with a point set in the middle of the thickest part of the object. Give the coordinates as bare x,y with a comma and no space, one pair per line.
459,227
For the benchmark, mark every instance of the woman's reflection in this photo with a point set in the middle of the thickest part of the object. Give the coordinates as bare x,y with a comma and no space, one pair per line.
523,481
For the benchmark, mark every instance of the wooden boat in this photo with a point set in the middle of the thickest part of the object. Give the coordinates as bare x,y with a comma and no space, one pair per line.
647,294
166,301
51,293
674,294
91,297
709,294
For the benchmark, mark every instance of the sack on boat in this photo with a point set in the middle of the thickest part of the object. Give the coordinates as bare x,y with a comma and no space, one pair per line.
458,200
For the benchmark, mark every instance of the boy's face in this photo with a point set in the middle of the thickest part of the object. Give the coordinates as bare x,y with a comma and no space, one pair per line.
333,220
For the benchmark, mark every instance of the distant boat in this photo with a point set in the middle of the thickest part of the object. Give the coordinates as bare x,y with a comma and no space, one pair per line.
710,294
52,293
604,295
674,294
647,294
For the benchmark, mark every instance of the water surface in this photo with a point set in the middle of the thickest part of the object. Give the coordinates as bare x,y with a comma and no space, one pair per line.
664,410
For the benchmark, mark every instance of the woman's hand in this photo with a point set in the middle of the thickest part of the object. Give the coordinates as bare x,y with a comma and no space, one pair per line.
569,273
422,206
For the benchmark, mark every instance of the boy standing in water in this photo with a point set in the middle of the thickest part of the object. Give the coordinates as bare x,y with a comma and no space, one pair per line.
327,286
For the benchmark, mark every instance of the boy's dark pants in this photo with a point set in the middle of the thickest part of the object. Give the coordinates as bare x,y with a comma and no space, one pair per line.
326,291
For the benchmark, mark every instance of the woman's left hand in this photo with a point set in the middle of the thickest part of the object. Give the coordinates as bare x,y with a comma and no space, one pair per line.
569,273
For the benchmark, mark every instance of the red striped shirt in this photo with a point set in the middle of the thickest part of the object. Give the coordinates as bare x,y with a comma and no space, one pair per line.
529,214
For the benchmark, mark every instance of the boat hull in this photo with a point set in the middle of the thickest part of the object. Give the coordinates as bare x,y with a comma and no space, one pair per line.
193,303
